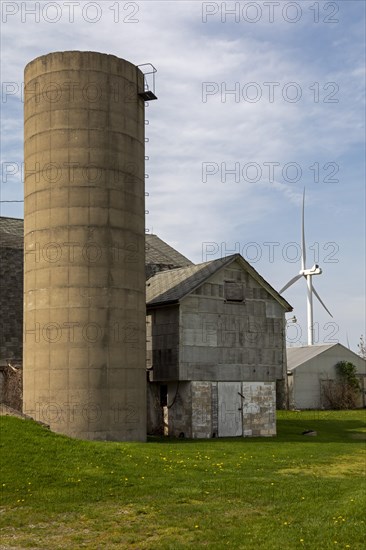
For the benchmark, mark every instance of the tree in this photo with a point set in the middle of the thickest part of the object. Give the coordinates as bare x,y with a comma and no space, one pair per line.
342,393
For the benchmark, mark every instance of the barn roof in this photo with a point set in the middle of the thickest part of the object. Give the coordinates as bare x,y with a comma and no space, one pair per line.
11,233
298,356
171,286
159,252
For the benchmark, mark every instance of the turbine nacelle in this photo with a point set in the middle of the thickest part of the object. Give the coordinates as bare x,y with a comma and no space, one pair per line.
315,270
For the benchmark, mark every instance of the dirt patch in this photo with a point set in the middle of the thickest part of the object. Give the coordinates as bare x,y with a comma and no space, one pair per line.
5,410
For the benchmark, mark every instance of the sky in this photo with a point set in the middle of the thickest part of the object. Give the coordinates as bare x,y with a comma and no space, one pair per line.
256,101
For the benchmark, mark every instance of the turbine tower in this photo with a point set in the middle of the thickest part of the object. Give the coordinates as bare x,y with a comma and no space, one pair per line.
308,274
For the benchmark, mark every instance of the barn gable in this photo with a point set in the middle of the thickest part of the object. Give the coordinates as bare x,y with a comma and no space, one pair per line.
171,286
216,350
160,256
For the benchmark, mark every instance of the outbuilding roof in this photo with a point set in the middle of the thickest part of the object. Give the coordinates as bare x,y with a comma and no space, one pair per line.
171,286
299,355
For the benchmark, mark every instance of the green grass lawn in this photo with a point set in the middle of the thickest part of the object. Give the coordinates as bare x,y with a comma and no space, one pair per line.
287,492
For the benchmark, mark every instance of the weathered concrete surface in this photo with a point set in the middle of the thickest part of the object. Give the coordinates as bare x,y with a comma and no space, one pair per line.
179,409
84,288
163,343
259,409
211,338
222,356
228,341
203,409
155,416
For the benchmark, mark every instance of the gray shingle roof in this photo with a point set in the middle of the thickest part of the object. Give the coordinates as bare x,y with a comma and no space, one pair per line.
11,233
160,253
171,286
165,286
157,251
299,355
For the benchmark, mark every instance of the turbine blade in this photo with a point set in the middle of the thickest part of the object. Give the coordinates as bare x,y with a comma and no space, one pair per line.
293,280
321,301
303,247
348,346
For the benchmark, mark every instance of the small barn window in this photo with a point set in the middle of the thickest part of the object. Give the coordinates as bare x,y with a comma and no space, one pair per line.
233,291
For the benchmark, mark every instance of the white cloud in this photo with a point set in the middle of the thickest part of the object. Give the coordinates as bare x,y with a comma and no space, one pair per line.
185,132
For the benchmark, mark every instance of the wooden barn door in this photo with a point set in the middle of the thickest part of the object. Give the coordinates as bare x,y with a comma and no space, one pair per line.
230,421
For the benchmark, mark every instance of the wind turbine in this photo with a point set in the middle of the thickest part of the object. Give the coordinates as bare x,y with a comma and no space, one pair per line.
348,346
308,274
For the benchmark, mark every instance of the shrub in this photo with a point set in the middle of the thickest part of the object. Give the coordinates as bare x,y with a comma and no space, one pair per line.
342,393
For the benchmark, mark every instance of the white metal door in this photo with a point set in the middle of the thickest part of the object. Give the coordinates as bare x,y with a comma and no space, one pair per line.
230,416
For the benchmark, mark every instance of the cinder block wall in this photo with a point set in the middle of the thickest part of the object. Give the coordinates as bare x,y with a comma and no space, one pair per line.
163,343
196,412
180,409
155,417
231,341
11,304
259,409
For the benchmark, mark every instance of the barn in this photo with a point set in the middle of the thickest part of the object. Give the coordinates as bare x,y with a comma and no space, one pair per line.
216,361
159,256
11,286
311,367
215,350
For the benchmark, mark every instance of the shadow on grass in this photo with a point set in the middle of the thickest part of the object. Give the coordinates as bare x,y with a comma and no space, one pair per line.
350,431
291,430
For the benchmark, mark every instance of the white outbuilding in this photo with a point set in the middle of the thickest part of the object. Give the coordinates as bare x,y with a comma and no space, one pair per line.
310,367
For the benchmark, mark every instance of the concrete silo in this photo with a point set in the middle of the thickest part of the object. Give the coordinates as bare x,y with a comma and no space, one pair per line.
84,280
